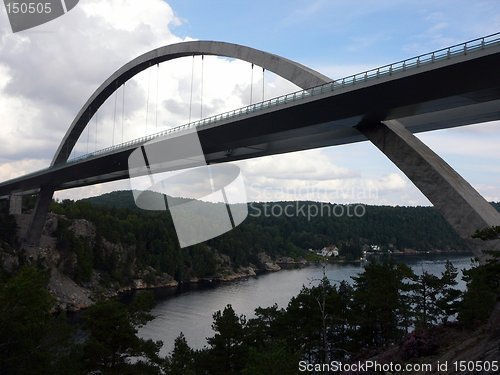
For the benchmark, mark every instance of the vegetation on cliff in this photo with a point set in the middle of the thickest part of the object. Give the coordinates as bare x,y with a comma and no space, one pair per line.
36,340
147,239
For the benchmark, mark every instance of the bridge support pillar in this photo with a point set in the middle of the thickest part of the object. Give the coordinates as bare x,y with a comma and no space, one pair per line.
15,204
39,217
460,204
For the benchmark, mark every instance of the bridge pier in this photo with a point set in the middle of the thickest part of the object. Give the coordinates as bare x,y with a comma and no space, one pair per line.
15,204
460,204
40,212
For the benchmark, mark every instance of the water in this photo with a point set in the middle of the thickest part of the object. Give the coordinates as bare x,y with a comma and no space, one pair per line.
191,311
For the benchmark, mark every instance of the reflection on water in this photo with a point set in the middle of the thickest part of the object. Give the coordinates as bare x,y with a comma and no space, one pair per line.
191,311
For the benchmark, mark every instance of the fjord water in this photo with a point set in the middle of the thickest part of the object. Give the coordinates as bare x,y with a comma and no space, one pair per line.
191,311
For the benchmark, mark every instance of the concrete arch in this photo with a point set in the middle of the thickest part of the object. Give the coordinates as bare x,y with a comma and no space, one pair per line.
292,71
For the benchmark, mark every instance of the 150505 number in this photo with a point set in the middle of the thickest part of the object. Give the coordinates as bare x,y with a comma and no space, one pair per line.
28,8
472,366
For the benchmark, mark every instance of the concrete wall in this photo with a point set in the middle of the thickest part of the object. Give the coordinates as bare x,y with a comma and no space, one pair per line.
15,204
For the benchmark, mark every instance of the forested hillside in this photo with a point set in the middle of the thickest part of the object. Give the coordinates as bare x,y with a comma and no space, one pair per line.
128,239
420,228
107,242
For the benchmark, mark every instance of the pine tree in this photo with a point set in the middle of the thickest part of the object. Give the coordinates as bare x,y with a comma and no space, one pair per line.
181,361
434,299
378,305
112,341
483,284
450,296
426,291
227,351
32,340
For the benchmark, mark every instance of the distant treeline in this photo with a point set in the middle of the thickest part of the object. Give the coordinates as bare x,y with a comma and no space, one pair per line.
149,238
420,228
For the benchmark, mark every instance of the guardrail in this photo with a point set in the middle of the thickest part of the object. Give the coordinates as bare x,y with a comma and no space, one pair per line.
383,71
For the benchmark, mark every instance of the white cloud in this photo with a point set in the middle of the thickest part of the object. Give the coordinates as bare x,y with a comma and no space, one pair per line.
305,165
92,190
479,140
47,73
311,175
20,167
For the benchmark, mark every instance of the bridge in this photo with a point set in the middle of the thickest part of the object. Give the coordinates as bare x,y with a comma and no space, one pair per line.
454,86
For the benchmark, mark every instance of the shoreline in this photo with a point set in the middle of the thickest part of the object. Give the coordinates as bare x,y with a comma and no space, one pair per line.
208,283
237,276
174,287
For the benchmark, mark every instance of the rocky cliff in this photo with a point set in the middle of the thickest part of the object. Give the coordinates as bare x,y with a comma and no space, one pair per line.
75,286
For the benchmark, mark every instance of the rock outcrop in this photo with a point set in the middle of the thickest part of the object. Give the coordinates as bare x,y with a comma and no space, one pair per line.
69,295
268,263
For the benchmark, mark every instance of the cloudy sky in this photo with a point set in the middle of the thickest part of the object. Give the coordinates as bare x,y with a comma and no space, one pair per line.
47,73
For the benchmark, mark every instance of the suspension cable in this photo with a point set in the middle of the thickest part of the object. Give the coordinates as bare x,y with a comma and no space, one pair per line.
263,71
191,97
123,107
96,123
114,119
147,101
201,94
156,102
88,132
251,86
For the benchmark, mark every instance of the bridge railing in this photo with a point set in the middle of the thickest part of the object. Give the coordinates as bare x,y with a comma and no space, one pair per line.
349,81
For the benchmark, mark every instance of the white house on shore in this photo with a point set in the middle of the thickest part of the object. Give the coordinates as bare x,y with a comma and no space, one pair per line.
328,251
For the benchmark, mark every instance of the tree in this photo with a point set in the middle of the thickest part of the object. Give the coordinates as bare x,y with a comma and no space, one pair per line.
378,304
227,351
265,336
275,359
342,317
450,297
265,327
483,291
112,341
314,319
304,323
181,361
140,307
483,284
32,340
425,296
